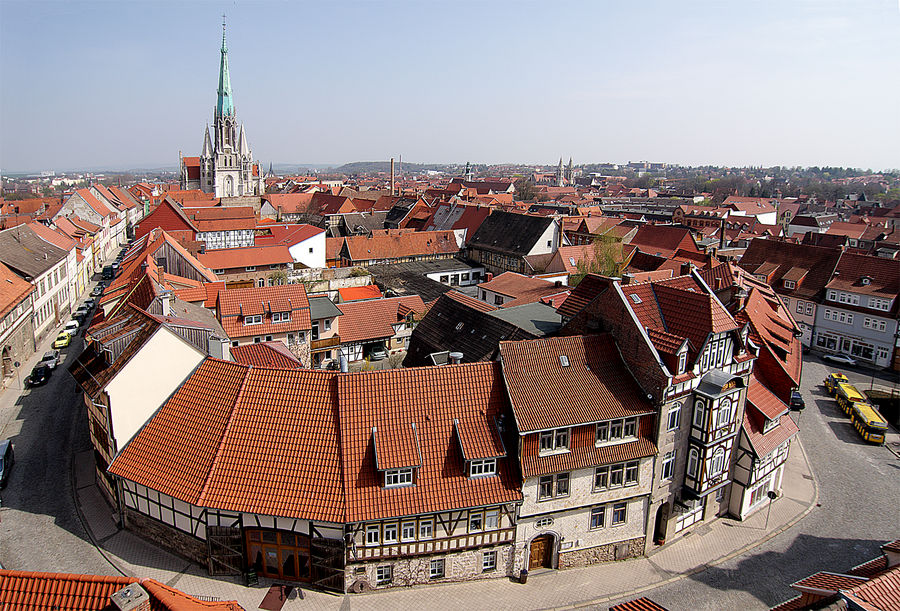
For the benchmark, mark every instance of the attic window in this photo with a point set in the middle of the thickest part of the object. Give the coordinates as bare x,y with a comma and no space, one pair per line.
789,284
571,260
866,280
635,298
459,326
563,360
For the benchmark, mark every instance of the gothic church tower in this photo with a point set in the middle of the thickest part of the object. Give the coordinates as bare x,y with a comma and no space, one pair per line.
226,166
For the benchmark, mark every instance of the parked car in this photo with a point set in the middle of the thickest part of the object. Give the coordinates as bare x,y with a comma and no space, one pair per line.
80,314
98,290
38,376
797,401
843,359
89,304
62,340
7,458
72,326
378,354
50,359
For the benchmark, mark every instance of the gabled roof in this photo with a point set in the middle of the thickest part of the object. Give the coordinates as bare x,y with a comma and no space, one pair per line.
358,293
38,591
265,354
522,289
25,252
256,256
780,257
867,275
881,592
373,319
663,239
509,233
13,290
432,398
320,306
57,238
235,304
96,205
400,244
588,385
224,218
288,235
230,426
586,291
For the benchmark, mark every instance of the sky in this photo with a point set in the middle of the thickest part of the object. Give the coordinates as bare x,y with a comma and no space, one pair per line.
129,84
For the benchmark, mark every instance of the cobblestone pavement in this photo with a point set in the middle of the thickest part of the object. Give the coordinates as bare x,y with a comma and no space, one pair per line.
726,564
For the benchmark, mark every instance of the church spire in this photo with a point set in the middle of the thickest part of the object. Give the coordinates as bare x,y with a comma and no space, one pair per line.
224,105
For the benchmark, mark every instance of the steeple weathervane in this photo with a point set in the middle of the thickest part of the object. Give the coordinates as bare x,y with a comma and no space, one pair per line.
224,104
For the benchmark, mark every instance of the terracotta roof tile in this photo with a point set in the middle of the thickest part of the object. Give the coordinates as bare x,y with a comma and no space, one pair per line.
233,305
882,592
396,445
589,287
594,386
824,581
479,438
230,258
764,443
265,354
396,245
638,604
373,319
475,304
432,397
356,293
872,568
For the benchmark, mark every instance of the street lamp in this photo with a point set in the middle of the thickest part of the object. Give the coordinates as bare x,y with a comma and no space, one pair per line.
772,496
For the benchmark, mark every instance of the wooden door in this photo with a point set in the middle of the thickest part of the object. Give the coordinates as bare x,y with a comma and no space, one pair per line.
541,552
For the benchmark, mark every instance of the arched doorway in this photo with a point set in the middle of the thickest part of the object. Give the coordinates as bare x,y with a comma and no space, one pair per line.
541,552
7,362
662,522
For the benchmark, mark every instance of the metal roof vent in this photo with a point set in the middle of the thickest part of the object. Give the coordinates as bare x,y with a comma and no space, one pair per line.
635,298
563,360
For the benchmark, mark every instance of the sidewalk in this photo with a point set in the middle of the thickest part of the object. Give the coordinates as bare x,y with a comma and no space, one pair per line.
706,546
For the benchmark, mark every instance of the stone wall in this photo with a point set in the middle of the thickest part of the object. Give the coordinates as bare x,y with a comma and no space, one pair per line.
167,537
458,566
602,553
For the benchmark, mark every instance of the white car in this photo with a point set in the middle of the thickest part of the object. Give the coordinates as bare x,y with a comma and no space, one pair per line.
71,327
842,359
50,359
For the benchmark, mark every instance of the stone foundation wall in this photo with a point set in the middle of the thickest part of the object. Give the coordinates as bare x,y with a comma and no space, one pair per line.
458,566
601,553
167,537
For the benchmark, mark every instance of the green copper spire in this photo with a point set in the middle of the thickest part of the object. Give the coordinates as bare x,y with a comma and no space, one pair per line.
224,105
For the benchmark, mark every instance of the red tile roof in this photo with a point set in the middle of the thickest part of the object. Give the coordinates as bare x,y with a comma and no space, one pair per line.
479,438
373,319
431,397
265,354
872,568
396,446
764,443
224,218
877,594
825,582
12,290
57,238
663,239
398,245
357,293
883,276
546,394
258,256
765,400
229,427
589,287
97,206
234,304
288,235
523,289
638,604
37,591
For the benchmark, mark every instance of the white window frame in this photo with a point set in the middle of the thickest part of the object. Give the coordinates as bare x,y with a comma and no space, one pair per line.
699,413
253,319
384,574
717,464
396,478
476,521
482,467
426,529
250,268
436,568
673,419
373,535
390,533
597,518
489,561
407,531
492,519
668,465
693,462
619,509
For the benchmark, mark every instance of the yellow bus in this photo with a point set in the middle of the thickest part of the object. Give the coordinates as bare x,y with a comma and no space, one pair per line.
833,380
847,395
870,424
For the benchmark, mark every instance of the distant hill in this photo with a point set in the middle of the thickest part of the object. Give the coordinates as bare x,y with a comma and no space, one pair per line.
371,167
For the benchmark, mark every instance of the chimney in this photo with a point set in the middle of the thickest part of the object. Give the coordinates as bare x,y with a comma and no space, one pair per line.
685,268
627,278
392,176
740,298
456,358
131,598
218,348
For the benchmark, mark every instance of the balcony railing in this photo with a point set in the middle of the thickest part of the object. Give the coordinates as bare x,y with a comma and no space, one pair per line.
324,344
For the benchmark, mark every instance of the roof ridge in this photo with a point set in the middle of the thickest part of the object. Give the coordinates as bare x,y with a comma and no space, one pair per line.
225,430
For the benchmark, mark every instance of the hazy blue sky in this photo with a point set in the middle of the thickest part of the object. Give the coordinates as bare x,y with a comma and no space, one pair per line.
129,84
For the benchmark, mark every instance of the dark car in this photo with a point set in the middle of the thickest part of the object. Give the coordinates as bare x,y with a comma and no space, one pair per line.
797,401
38,377
98,290
6,461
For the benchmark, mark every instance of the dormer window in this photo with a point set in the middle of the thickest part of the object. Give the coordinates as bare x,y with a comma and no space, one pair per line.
255,319
866,280
554,441
682,361
483,467
281,316
394,478
789,284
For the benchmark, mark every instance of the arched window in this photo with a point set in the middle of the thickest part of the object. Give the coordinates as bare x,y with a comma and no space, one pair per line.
718,462
699,412
693,459
724,415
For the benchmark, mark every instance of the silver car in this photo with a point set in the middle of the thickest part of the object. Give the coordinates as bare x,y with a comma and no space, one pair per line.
50,359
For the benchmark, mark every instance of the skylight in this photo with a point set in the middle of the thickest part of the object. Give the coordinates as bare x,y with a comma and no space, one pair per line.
563,360
635,298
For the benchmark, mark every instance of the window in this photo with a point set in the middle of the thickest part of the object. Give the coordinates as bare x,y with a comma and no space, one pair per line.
616,475
879,304
723,416
390,533
498,299
601,478
619,513
257,340
408,531
562,484
789,284
800,307
598,517
615,429
602,432
809,309
674,418
630,427
256,319
668,465
718,462
489,561
436,569
682,362
250,268
720,494
476,522
426,529
445,278
699,413
372,534
551,441
491,519
485,466
874,324
219,271
631,473
384,574
693,459
398,477
268,338
275,266
261,283
327,323
553,485
281,316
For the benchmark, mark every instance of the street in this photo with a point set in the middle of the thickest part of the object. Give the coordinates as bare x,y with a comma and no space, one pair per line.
859,497
859,509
